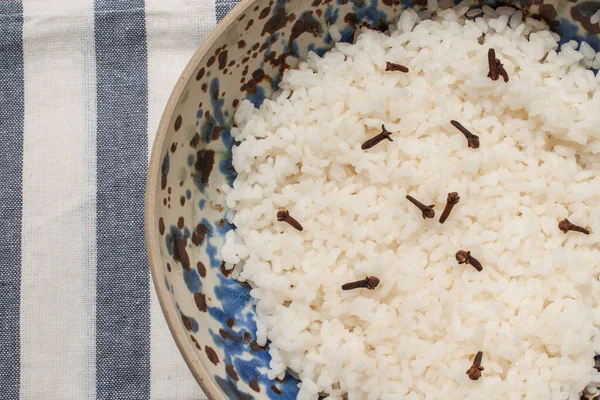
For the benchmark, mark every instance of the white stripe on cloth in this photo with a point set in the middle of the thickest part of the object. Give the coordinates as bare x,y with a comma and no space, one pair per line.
59,191
174,31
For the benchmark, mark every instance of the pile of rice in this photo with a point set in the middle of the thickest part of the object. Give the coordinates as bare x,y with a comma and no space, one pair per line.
533,310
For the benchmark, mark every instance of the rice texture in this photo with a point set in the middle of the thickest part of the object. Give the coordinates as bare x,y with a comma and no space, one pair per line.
534,308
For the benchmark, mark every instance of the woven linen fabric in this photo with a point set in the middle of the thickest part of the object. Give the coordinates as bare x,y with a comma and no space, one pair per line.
82,88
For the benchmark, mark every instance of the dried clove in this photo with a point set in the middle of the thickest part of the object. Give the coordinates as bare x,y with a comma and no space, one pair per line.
451,201
376,139
493,72
465,257
496,69
475,371
369,282
427,211
472,139
395,67
503,72
565,225
284,216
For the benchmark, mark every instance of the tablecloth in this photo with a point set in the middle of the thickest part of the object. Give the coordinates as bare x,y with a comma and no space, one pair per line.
82,87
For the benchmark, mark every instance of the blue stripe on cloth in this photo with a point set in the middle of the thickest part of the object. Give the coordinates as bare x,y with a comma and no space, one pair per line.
222,7
12,106
123,298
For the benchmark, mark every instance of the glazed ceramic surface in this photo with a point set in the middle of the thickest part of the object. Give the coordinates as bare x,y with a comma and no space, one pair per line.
211,315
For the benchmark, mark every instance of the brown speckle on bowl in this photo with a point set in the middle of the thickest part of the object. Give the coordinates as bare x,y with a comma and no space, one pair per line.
230,370
179,250
204,164
180,223
257,77
161,226
548,13
182,200
195,140
211,354
247,337
351,19
199,234
275,389
216,132
223,59
224,271
254,347
200,74
253,383
200,299
210,61
168,267
264,13
306,23
201,269
225,335
277,22
579,14
186,322
178,122
216,206
196,342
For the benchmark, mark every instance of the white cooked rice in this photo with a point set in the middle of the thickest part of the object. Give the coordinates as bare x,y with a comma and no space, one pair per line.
474,12
533,310
595,18
516,19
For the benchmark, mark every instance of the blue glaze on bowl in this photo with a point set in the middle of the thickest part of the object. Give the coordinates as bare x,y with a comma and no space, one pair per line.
246,61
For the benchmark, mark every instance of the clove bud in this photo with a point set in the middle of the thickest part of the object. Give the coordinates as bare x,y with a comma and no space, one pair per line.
369,282
475,371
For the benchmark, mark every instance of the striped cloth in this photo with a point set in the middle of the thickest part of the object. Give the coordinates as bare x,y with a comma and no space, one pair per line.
82,87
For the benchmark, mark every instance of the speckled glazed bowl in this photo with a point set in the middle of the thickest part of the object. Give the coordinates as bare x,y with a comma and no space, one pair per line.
211,315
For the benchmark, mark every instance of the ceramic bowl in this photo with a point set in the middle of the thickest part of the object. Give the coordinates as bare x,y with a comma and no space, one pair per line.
211,315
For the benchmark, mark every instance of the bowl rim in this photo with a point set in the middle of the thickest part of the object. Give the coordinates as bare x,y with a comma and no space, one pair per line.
150,215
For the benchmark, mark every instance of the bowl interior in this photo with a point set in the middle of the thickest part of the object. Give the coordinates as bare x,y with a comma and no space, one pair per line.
211,315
